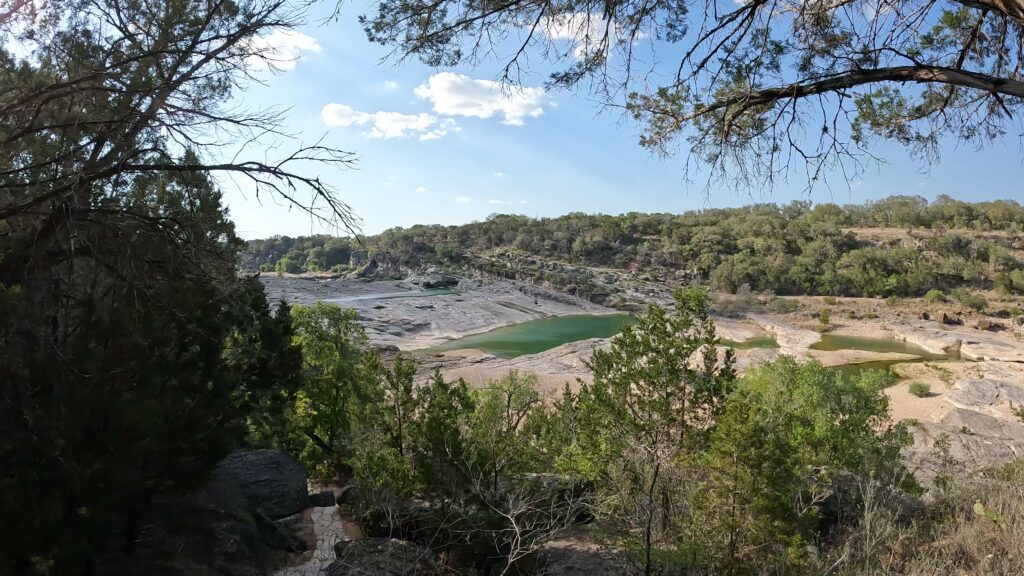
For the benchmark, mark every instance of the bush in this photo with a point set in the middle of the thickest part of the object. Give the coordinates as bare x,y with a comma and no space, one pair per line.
824,317
920,389
934,297
830,300
783,306
893,301
968,298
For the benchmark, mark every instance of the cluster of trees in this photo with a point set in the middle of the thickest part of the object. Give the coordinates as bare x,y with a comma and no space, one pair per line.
131,353
677,465
295,255
791,249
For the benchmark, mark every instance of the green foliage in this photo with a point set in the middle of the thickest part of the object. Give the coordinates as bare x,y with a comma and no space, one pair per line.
824,317
829,300
654,399
970,299
784,305
320,427
135,385
920,389
790,249
787,435
934,296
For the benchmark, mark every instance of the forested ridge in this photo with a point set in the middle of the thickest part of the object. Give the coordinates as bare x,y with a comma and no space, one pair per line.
795,248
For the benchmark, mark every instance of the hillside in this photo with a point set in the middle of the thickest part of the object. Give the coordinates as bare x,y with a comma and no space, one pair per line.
899,246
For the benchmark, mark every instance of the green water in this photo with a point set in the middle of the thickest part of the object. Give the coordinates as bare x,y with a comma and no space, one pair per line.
832,342
540,335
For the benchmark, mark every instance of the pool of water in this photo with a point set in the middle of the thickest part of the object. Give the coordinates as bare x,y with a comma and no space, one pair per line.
540,335
389,295
834,342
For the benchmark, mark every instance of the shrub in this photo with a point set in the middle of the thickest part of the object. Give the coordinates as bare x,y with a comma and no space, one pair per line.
893,301
920,389
934,297
830,300
783,306
968,298
824,317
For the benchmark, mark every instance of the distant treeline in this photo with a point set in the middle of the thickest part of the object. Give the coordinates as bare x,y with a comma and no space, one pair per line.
795,248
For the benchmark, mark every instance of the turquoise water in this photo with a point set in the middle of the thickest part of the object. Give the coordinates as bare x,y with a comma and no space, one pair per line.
540,335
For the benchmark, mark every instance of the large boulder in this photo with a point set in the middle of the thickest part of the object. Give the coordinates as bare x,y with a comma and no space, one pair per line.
382,557
272,482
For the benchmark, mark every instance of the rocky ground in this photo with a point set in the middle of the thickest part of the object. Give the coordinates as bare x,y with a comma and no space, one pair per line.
400,313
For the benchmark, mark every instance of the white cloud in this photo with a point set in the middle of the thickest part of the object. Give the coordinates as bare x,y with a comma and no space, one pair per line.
463,200
390,85
458,95
281,49
506,202
389,125
421,189
498,174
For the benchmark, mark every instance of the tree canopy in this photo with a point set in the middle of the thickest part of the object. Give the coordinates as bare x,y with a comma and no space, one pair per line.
756,87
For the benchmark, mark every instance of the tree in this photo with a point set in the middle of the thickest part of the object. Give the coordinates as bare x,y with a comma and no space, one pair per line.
791,436
134,355
654,400
752,87
128,371
332,344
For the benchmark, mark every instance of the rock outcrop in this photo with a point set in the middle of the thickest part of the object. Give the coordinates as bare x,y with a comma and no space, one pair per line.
986,395
248,511
272,482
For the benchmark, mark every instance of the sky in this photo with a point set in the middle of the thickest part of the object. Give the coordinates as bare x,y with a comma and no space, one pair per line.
449,146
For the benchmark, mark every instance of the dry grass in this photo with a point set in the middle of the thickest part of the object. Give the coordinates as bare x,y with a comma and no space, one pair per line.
975,528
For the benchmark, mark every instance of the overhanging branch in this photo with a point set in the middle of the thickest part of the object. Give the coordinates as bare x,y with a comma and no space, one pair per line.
918,74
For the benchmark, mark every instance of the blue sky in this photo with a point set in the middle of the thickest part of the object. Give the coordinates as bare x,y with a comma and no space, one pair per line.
442,146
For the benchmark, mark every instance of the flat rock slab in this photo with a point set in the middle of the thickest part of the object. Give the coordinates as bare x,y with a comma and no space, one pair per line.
977,344
986,394
794,340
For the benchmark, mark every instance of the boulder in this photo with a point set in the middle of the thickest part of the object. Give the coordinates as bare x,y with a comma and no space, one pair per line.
951,319
382,557
983,324
323,499
272,482
924,316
